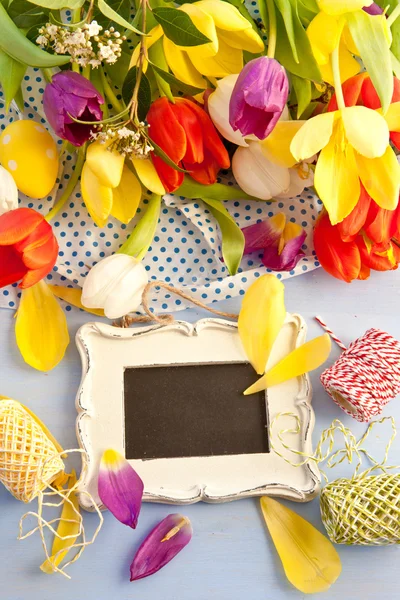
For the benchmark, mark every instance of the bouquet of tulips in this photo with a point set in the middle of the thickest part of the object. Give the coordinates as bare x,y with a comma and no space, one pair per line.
157,97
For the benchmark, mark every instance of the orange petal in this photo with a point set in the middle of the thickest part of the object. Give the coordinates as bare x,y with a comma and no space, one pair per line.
16,224
340,259
353,224
165,129
351,91
12,269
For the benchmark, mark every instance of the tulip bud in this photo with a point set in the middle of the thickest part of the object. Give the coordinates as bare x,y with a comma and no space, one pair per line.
259,97
72,95
116,285
8,191
218,108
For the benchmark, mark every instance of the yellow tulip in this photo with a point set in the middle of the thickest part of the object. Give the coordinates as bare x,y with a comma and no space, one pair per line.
340,7
325,32
229,33
354,145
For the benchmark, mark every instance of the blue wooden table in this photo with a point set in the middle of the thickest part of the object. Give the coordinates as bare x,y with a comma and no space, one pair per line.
231,556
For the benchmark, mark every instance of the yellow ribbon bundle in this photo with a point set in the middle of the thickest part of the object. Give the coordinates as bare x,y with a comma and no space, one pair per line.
32,466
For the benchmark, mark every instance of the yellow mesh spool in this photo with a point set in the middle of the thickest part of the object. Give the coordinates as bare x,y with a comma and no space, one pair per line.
29,459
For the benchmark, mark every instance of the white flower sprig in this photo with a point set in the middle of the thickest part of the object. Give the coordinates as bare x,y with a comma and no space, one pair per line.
126,140
86,45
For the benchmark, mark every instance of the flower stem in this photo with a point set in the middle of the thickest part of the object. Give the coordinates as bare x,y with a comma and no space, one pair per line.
70,186
336,78
48,74
272,28
140,64
392,17
109,93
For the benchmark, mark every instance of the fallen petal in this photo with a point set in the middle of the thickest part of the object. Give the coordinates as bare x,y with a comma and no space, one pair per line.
264,234
120,488
162,544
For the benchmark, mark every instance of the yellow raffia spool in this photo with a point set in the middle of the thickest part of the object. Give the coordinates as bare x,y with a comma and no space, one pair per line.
29,456
32,466
363,509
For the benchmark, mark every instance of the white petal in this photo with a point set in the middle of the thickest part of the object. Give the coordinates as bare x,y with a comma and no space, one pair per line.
102,278
126,295
257,175
8,191
218,107
297,183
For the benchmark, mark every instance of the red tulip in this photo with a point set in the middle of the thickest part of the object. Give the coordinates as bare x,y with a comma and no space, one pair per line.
187,135
28,247
359,89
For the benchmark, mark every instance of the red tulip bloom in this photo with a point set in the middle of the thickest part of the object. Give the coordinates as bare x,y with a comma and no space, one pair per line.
28,247
359,90
187,135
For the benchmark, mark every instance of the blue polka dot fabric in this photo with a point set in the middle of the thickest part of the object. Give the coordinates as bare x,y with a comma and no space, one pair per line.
186,250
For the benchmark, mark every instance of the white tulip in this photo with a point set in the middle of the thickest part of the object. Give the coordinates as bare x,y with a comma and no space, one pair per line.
218,107
8,191
301,176
116,285
257,175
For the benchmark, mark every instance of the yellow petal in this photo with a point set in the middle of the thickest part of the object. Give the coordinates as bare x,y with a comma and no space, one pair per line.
392,116
336,177
291,231
313,136
152,37
181,65
68,530
304,359
41,328
106,164
205,24
148,175
366,130
225,16
276,146
348,66
309,559
73,296
226,62
243,40
261,318
97,197
381,178
324,33
126,197
339,7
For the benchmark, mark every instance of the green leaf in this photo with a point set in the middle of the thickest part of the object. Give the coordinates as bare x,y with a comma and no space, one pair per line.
26,15
370,35
16,45
11,75
307,10
302,88
190,90
141,237
285,9
160,152
59,4
395,65
119,70
232,236
157,59
178,27
307,67
144,95
217,191
110,13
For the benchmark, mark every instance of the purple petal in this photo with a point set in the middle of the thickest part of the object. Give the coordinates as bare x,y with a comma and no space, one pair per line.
74,83
120,488
289,257
53,108
263,234
373,9
162,544
259,97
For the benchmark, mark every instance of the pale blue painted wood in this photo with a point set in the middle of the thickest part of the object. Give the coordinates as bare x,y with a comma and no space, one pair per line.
231,556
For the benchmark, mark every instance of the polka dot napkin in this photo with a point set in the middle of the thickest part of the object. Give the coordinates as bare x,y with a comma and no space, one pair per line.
186,251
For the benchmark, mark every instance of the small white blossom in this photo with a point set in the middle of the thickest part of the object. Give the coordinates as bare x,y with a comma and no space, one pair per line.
52,30
41,40
93,28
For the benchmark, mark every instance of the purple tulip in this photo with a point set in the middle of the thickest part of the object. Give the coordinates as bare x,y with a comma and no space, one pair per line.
162,544
72,94
373,9
259,97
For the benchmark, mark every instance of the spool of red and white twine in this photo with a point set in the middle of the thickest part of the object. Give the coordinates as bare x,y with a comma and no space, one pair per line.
366,376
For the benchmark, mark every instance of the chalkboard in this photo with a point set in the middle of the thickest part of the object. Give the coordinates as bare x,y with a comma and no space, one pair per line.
193,410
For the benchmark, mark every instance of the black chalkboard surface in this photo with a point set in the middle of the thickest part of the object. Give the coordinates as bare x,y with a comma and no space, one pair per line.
193,410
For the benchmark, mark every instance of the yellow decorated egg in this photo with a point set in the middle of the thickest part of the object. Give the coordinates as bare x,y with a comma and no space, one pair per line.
29,153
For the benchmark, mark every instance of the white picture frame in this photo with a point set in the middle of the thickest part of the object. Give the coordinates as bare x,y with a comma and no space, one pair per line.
106,351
